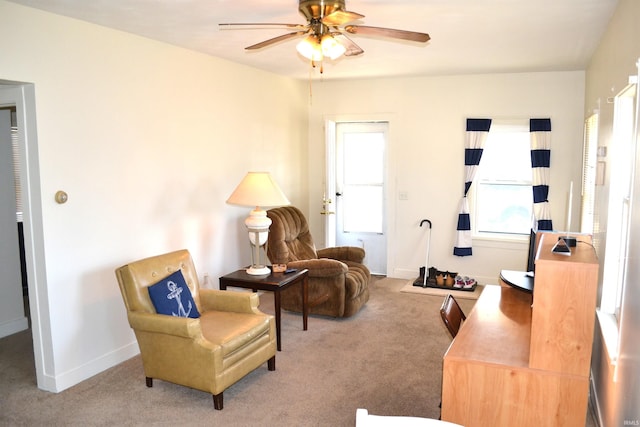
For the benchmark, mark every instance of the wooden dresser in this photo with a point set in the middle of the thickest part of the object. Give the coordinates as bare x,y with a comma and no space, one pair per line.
523,359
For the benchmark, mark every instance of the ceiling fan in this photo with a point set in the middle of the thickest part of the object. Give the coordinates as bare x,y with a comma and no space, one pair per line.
328,23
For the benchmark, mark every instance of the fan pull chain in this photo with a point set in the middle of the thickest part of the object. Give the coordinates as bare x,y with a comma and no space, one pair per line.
311,83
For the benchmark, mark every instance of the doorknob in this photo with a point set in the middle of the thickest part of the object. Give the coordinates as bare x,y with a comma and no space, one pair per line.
326,212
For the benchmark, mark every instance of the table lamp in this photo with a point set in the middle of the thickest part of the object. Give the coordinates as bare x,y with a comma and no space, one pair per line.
258,189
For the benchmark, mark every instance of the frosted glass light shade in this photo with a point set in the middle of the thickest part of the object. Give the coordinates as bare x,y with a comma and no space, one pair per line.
331,47
310,48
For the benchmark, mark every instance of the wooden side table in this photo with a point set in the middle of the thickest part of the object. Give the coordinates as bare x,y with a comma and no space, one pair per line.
274,282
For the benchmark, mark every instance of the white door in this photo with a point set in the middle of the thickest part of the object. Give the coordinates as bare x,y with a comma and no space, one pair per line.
360,169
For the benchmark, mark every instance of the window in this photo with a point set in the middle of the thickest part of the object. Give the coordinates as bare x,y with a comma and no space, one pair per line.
360,176
622,154
15,150
16,164
589,161
501,193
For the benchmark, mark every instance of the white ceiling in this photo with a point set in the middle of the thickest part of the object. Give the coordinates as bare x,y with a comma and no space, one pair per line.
467,36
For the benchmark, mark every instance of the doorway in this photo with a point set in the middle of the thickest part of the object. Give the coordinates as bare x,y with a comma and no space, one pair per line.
12,290
21,96
355,210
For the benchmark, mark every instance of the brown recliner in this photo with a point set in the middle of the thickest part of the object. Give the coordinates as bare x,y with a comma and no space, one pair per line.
230,338
338,281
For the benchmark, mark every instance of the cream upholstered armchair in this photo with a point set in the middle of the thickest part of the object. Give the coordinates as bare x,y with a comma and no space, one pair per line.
225,337
338,281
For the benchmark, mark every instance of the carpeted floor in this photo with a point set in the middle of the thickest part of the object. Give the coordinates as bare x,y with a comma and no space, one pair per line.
387,359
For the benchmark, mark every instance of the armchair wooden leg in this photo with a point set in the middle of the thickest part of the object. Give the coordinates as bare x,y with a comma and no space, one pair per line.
149,382
271,364
217,401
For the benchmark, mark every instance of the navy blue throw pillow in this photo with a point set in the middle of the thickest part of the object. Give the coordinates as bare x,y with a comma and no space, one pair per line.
171,296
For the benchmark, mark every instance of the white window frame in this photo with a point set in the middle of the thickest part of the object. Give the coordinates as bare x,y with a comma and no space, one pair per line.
622,152
589,173
622,155
497,126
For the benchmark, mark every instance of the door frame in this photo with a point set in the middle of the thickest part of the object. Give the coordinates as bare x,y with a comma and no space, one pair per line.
329,181
22,96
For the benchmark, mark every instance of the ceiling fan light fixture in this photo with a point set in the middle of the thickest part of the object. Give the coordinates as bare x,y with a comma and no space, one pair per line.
326,33
310,48
331,47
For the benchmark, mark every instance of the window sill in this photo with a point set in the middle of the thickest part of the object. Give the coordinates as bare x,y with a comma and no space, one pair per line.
609,329
501,241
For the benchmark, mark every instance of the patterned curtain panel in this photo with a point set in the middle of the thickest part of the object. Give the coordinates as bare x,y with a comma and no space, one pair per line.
540,161
477,133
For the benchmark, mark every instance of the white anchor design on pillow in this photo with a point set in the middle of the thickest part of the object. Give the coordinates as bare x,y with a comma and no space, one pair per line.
174,293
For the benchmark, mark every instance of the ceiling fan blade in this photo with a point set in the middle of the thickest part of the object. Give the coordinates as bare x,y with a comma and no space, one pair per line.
387,32
275,40
352,48
259,25
340,17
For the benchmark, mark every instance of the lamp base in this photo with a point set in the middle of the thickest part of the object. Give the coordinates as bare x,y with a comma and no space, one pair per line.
258,270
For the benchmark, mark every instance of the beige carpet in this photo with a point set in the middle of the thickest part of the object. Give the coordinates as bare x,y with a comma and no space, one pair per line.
409,288
387,359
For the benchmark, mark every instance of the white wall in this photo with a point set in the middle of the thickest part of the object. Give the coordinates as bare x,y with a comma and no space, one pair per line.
617,393
426,155
148,140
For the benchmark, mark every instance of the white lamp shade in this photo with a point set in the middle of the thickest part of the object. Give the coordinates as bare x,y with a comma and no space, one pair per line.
258,189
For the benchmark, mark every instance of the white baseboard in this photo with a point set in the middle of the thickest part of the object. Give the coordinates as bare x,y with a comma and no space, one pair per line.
13,326
74,376
404,273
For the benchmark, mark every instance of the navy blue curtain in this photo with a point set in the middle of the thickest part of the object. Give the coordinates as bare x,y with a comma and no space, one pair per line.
540,130
477,133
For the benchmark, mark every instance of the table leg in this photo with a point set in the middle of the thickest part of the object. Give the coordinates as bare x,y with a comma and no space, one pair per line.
276,299
305,302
